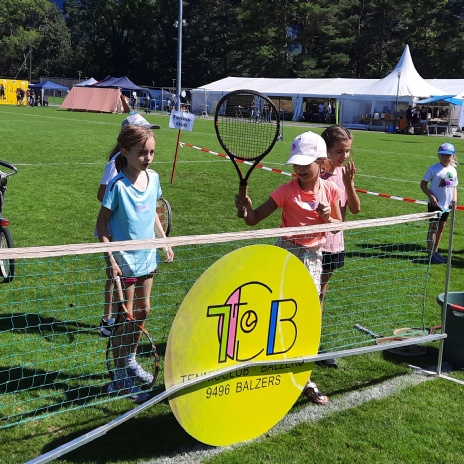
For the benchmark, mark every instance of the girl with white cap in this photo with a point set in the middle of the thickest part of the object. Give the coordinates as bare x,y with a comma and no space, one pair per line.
305,200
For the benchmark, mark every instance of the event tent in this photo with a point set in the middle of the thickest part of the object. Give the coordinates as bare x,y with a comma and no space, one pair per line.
102,100
448,120
89,81
124,83
449,86
295,90
390,95
368,97
48,86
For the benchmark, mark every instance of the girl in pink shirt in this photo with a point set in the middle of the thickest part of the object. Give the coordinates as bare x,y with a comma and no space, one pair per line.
305,200
338,141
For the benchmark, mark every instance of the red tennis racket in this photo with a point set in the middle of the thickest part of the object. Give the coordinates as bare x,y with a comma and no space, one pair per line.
409,350
247,126
127,332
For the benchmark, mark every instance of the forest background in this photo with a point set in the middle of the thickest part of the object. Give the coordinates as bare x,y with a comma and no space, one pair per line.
250,38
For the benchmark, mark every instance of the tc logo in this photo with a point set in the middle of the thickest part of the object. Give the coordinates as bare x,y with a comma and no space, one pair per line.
251,322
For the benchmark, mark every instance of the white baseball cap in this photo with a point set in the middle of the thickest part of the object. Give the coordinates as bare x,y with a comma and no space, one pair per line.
138,120
307,148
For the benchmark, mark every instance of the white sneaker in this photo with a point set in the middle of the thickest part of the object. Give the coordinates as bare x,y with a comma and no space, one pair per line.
127,387
135,370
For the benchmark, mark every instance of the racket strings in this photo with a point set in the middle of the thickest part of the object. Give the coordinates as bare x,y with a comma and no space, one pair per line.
248,131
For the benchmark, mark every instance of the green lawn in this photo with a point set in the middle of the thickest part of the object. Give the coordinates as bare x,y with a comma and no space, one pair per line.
60,156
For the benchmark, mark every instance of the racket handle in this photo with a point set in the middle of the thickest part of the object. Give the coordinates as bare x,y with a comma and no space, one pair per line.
117,282
242,193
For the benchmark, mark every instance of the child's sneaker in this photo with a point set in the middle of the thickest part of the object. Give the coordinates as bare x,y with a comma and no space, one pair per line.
127,387
135,370
439,256
106,327
436,258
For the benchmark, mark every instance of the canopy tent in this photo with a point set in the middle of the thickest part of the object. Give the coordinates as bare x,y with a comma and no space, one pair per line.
90,81
390,95
446,120
449,86
296,90
48,86
102,100
155,99
441,98
124,83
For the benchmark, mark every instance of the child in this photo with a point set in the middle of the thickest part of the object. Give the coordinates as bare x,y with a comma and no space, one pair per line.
129,206
440,185
338,141
305,200
110,172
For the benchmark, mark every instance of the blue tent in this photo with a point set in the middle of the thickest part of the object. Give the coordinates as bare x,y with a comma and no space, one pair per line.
441,98
48,85
124,83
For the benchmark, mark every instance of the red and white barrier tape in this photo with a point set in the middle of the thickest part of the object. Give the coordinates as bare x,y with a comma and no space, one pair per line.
291,174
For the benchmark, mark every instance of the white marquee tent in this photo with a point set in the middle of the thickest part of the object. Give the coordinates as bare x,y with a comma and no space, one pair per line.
295,89
356,97
392,94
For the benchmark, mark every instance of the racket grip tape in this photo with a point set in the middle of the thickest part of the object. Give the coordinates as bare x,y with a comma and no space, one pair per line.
242,193
117,283
367,331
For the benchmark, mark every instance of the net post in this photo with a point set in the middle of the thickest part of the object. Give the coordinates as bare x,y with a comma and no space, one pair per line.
447,283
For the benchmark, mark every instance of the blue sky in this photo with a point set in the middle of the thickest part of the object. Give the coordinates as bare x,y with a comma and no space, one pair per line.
59,3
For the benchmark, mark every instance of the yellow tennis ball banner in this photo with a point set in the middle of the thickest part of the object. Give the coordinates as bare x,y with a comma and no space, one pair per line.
258,303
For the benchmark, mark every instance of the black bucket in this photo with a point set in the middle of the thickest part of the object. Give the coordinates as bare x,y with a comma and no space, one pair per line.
453,348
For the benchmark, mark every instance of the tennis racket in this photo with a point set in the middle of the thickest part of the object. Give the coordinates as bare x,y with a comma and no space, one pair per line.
247,126
126,333
409,350
163,209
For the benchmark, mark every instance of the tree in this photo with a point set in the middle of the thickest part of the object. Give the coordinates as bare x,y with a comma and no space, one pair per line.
32,27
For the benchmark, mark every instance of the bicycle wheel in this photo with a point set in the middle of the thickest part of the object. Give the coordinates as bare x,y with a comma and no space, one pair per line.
7,266
146,356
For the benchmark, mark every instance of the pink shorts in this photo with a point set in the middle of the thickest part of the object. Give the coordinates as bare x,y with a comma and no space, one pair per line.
132,280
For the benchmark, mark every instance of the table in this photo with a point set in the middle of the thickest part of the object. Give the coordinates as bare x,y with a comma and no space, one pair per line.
433,126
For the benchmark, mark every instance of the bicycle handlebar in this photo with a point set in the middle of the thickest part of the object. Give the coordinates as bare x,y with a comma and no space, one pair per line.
9,166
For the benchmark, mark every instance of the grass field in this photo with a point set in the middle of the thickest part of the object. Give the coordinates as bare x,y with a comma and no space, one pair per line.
379,411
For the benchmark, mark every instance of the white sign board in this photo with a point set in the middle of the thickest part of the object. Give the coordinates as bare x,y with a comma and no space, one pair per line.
181,120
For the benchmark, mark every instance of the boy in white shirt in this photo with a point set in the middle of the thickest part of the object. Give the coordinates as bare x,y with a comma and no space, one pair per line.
440,185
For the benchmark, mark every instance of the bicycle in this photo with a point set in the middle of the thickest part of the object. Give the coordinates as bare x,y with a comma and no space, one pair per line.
7,266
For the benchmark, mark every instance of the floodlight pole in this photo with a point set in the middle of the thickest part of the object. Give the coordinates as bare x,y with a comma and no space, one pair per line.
179,56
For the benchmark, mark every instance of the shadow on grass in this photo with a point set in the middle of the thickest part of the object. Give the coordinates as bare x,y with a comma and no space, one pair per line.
47,327
22,379
145,437
427,361
388,250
